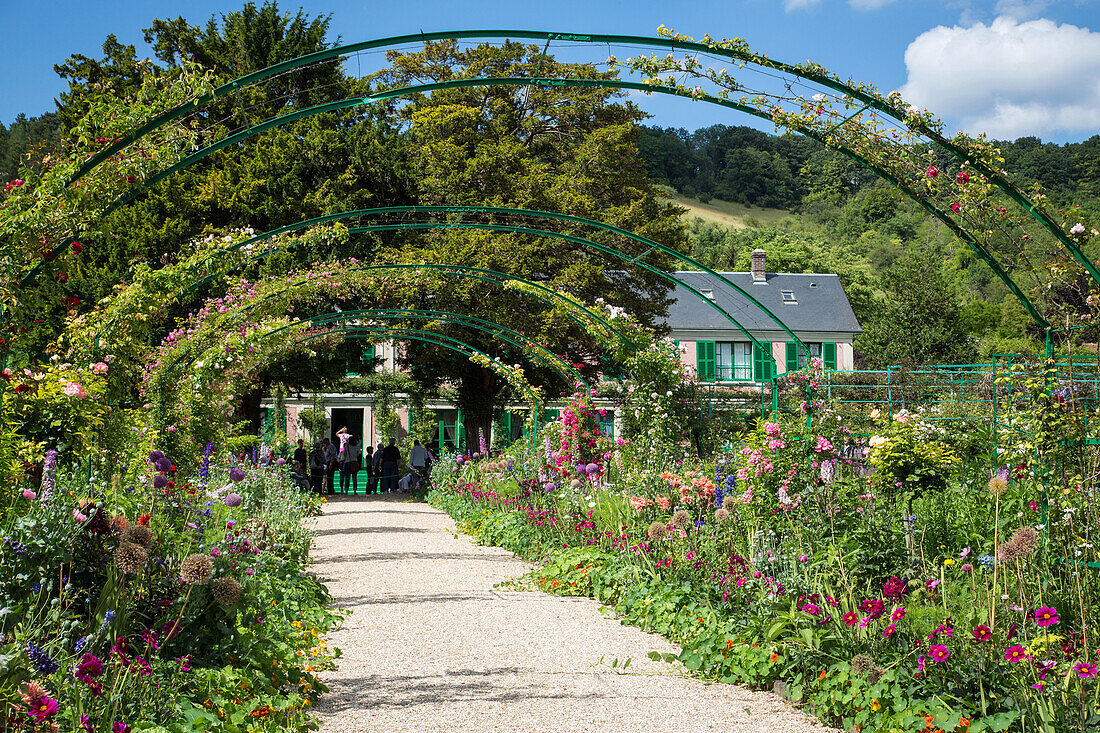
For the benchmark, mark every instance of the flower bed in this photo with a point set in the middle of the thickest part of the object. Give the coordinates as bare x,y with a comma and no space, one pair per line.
907,589
145,600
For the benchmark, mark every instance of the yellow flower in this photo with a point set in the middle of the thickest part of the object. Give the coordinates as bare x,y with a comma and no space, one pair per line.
876,705
948,561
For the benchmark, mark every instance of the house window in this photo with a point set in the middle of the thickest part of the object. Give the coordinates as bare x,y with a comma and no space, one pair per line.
607,424
788,297
733,360
797,359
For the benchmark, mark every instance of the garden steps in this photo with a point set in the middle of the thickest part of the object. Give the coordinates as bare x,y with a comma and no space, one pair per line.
432,645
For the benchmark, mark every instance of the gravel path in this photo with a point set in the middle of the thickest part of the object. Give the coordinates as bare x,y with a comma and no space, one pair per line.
431,645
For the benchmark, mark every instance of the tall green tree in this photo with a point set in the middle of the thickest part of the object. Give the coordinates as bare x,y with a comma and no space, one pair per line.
917,320
569,150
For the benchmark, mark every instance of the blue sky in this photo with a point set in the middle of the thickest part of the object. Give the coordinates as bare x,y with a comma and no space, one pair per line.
1008,67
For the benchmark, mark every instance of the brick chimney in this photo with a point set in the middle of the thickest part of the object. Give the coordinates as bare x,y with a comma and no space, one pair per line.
758,273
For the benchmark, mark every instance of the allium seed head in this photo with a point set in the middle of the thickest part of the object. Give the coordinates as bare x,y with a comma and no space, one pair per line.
721,515
681,519
998,485
658,531
1026,540
196,569
138,535
130,558
226,591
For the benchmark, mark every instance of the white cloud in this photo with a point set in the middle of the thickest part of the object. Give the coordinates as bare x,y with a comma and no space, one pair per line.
790,5
868,4
1021,9
1009,78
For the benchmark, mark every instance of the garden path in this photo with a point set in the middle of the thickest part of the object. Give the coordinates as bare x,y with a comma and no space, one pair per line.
431,645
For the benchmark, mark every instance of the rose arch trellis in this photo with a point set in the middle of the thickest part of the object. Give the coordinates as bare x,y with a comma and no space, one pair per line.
903,145
878,132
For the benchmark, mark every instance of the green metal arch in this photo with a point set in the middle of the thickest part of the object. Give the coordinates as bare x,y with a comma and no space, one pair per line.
675,44
940,214
496,277
651,244
437,339
429,337
542,354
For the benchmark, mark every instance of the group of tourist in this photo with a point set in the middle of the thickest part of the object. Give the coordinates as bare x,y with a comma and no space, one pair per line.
345,454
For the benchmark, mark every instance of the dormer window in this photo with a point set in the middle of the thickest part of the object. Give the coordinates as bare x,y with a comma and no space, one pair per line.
708,293
788,297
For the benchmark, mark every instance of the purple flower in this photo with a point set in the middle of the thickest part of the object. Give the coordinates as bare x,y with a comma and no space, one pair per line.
236,474
233,500
89,668
159,482
895,587
41,659
1046,616
155,456
163,464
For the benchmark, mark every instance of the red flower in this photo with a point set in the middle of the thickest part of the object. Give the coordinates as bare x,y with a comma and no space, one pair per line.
62,278
962,179
143,520
47,255
956,208
932,171
77,246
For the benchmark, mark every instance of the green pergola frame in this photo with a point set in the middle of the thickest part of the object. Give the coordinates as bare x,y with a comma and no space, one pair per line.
437,339
636,260
541,354
737,55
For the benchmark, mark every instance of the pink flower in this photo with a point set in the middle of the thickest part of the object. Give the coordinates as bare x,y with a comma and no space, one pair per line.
956,208
932,171
73,389
1015,654
99,368
1085,669
889,630
939,652
851,618
43,708
898,614
1046,616
982,633
29,495
962,178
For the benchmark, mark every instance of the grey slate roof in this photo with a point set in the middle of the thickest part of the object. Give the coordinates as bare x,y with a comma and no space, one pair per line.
821,303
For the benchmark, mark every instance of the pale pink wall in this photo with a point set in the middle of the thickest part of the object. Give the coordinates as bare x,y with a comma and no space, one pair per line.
845,357
779,353
687,355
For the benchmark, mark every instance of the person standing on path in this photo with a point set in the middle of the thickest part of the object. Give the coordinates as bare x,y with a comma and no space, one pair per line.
330,466
317,467
349,471
368,464
377,465
418,461
300,454
391,459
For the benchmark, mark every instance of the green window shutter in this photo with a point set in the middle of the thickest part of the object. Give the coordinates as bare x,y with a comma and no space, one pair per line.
761,363
506,426
792,356
412,419
828,355
440,442
704,360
